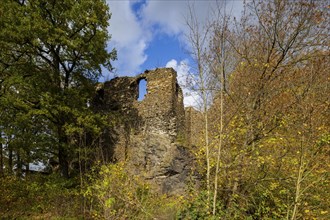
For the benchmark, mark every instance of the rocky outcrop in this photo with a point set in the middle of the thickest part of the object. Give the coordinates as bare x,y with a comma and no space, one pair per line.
149,134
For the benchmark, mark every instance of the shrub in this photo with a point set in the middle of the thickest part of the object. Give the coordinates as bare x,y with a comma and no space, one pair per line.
115,194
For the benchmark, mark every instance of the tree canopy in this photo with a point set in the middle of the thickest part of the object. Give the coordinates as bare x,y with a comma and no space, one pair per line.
52,54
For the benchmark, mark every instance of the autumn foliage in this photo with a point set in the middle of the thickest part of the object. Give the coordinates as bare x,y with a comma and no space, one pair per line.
264,145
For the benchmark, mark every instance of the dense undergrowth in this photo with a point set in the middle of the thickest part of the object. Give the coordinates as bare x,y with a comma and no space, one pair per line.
109,192
40,197
106,193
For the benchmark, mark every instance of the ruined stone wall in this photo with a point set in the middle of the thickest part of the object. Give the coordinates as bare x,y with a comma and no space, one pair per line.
146,132
162,108
194,123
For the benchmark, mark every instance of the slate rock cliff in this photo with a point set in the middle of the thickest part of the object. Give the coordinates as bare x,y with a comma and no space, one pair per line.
150,133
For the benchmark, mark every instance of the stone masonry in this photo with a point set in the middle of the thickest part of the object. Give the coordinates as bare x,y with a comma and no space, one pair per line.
149,134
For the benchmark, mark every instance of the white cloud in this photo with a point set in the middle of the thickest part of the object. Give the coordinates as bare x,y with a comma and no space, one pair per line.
129,37
132,31
187,82
166,15
170,16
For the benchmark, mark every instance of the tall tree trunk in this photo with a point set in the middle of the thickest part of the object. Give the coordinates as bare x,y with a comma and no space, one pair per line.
217,170
298,184
19,164
27,169
1,159
27,163
10,159
206,127
62,139
62,153
207,149
64,165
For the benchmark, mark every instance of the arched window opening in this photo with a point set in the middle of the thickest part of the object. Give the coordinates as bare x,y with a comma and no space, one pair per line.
142,83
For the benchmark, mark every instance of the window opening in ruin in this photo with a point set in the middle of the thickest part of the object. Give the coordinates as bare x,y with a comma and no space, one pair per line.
142,83
176,88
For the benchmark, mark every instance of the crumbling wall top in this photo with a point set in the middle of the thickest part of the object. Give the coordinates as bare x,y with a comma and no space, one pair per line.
162,107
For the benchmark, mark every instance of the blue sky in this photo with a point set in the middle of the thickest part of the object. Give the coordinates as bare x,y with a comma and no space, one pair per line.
151,33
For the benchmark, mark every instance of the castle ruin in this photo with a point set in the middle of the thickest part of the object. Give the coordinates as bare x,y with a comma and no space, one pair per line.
151,135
